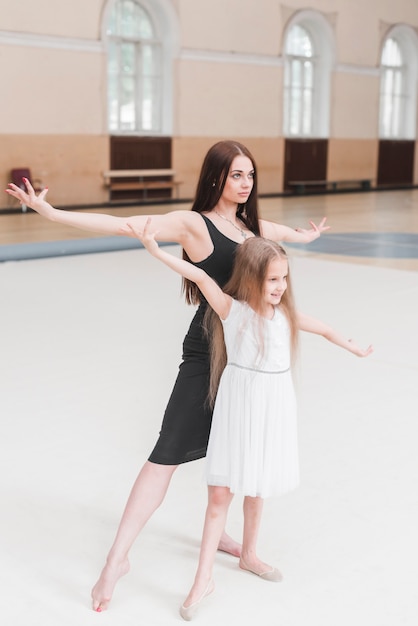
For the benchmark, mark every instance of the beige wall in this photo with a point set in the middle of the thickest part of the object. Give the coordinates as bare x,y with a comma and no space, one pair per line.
78,18
231,25
70,165
51,91
352,158
229,100
227,83
355,105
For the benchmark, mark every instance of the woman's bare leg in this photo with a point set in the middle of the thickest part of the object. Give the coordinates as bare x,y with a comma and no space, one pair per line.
219,499
147,494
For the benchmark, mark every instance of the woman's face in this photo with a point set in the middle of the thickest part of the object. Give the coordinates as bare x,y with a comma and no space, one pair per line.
240,180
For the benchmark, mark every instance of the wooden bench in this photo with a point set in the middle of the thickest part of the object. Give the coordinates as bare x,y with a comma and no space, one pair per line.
141,180
300,186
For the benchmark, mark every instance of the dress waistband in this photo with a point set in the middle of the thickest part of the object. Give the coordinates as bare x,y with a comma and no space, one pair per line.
253,369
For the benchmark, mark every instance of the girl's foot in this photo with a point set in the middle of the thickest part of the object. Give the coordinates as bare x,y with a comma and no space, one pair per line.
261,569
197,594
228,545
103,590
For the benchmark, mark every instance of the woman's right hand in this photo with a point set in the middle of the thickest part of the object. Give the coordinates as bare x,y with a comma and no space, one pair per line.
29,198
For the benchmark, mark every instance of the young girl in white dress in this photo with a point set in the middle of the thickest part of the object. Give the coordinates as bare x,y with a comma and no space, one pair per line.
252,450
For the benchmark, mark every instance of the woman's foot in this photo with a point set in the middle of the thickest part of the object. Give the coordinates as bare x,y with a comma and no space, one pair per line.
229,545
261,569
103,590
197,594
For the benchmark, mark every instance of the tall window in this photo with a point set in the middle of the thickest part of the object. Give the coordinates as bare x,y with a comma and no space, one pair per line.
298,82
134,70
308,53
398,87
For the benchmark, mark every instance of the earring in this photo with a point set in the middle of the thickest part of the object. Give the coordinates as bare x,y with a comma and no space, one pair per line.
214,183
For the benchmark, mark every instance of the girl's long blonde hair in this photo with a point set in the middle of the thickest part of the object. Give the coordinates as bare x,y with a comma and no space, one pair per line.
246,284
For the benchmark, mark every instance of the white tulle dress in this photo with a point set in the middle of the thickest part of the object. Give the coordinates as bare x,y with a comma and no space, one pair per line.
253,447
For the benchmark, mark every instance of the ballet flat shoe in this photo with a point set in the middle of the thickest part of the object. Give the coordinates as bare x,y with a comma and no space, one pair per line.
189,612
273,575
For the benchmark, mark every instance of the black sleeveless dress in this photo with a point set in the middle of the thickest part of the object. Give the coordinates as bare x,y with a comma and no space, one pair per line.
187,419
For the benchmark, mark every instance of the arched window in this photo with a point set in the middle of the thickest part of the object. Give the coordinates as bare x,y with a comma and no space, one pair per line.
307,60
299,82
398,95
134,71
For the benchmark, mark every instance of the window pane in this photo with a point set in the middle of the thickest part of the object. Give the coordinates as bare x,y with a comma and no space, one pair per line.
307,112
298,42
129,20
149,112
134,22
127,104
150,59
397,83
113,104
308,73
295,110
112,58
296,73
128,58
391,54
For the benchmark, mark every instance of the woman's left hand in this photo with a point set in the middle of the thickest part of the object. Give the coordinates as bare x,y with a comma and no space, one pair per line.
314,232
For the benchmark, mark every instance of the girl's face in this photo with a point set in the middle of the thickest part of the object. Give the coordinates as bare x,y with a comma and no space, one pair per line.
240,180
275,282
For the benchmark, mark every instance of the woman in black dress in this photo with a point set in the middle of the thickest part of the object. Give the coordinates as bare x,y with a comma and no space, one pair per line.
223,215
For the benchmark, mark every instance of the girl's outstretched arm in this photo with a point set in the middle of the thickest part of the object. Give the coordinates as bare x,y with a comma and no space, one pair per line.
312,325
278,232
218,300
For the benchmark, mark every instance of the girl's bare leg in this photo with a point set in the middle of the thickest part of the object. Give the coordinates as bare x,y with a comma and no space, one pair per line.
253,508
219,499
229,545
147,493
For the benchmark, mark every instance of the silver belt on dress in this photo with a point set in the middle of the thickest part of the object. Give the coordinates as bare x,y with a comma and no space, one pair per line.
253,369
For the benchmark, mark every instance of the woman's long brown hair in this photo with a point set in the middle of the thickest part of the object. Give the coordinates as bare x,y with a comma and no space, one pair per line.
210,186
246,284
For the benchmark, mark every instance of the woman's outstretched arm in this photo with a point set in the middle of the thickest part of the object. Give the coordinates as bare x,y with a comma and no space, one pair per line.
278,232
173,226
312,325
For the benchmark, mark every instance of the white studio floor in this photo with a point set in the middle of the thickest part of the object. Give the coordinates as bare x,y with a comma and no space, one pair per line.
90,346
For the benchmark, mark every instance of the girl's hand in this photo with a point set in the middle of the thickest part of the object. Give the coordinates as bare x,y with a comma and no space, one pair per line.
146,237
29,198
355,349
314,232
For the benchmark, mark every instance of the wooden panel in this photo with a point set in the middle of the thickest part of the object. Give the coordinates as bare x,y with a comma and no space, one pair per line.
305,159
131,153
135,153
396,162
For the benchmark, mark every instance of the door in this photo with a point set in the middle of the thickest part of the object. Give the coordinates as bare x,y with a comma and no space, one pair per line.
396,162
305,159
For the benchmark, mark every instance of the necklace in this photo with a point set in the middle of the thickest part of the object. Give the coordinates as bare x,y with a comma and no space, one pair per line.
240,230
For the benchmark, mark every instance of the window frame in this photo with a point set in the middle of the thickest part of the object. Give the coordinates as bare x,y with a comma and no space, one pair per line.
165,25
322,58
397,109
